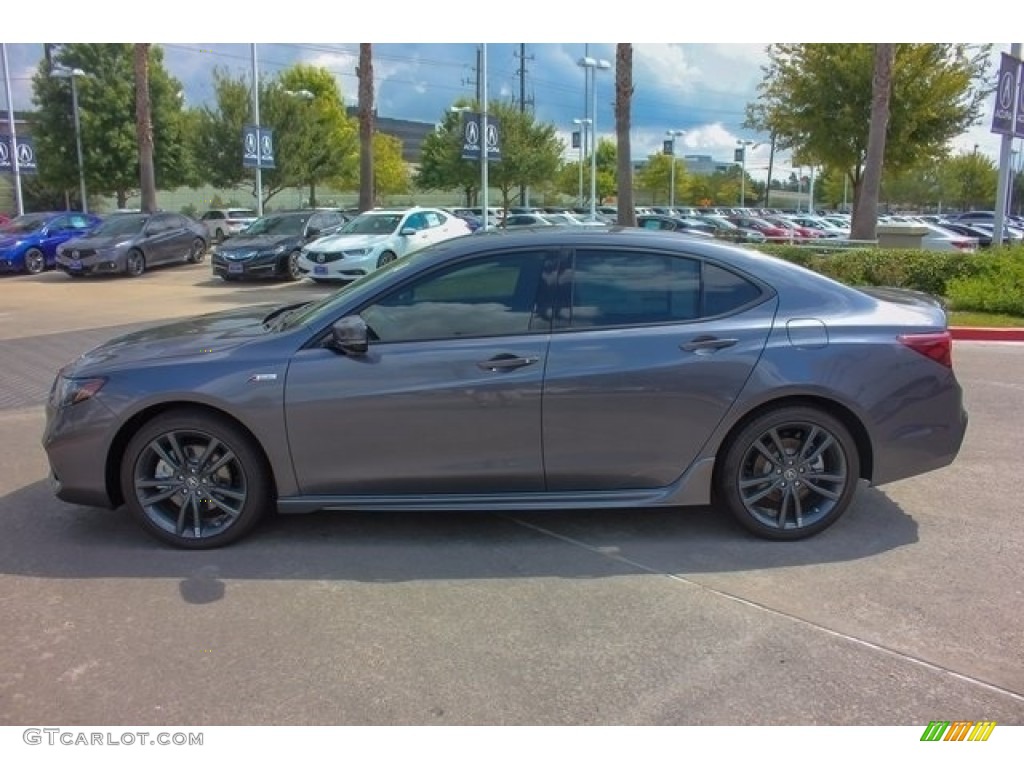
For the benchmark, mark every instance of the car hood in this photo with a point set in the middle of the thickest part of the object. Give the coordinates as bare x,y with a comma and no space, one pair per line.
256,242
204,336
7,241
347,242
96,242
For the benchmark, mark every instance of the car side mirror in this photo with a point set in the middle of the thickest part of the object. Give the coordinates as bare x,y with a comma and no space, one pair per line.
312,232
406,231
350,336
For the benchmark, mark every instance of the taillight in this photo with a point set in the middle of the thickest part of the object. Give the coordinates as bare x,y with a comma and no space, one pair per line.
963,245
937,346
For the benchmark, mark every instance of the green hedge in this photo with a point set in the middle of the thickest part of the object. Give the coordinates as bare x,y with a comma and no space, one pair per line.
989,281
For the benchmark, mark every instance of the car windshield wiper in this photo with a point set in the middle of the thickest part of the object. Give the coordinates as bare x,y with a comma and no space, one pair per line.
275,317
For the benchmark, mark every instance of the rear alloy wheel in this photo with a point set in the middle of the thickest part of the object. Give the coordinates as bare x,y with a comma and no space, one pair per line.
196,252
135,264
195,480
790,473
35,261
385,258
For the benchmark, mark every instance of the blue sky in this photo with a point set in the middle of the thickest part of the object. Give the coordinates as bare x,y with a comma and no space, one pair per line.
700,87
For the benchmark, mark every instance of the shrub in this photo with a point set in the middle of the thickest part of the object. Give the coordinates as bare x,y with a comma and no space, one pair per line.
998,286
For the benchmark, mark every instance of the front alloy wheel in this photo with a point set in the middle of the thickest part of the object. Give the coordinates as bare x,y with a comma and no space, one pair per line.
35,261
194,480
790,473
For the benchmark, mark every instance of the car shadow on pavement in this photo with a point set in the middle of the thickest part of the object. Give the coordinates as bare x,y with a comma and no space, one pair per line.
48,538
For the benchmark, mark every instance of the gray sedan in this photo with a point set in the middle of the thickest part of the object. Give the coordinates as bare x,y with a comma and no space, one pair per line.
131,243
557,369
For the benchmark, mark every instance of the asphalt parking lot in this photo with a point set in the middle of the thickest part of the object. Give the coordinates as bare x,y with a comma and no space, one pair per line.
910,609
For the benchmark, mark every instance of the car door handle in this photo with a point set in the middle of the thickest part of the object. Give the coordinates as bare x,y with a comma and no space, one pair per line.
506,362
707,344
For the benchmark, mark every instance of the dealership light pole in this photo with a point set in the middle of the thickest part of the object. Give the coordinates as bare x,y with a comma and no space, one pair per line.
742,144
672,173
589,63
71,74
256,122
584,124
15,166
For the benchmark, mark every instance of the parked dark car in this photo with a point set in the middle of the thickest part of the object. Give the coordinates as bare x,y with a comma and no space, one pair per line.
131,243
563,368
270,247
726,230
29,243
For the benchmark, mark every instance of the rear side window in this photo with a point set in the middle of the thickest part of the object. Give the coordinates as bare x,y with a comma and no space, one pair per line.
623,288
725,291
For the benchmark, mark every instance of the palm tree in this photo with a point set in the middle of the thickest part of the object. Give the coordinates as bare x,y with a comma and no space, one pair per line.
367,193
623,108
865,211
144,128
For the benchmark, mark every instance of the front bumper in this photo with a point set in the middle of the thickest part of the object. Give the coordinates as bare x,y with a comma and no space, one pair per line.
261,266
100,263
77,440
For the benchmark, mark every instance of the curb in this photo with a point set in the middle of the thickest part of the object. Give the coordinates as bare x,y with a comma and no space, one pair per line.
987,334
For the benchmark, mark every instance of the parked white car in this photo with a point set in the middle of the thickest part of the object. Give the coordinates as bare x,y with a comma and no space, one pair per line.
222,223
374,238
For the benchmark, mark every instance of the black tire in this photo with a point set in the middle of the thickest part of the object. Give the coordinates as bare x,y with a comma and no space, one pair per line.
218,236
789,474
195,480
135,263
197,251
291,269
35,261
228,278
385,258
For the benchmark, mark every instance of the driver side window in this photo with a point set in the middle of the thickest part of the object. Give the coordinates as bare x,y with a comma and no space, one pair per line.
495,295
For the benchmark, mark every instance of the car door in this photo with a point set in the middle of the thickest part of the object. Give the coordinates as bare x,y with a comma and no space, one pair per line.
648,353
447,399
417,231
57,231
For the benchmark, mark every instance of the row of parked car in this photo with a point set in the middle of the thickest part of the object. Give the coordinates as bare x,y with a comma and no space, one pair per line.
333,245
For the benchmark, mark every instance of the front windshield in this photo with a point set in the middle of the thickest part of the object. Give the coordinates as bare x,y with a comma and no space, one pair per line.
121,225
372,224
364,285
22,225
276,225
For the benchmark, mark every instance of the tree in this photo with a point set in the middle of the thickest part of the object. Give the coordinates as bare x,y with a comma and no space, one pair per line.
865,213
107,115
390,170
626,212
656,177
971,179
817,99
607,170
367,195
531,152
144,127
441,163
315,138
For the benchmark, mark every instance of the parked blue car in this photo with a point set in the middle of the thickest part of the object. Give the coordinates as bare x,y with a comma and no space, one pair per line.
29,243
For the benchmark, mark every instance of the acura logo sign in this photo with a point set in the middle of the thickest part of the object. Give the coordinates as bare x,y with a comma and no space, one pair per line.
320,258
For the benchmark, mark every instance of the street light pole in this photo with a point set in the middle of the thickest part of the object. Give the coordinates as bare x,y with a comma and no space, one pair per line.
743,144
672,172
256,120
589,63
14,136
71,74
584,124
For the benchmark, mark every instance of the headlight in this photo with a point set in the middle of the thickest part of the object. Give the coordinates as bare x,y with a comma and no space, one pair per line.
357,252
67,391
279,250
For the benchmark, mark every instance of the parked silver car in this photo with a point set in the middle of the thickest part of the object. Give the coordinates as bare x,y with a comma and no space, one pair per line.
566,368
